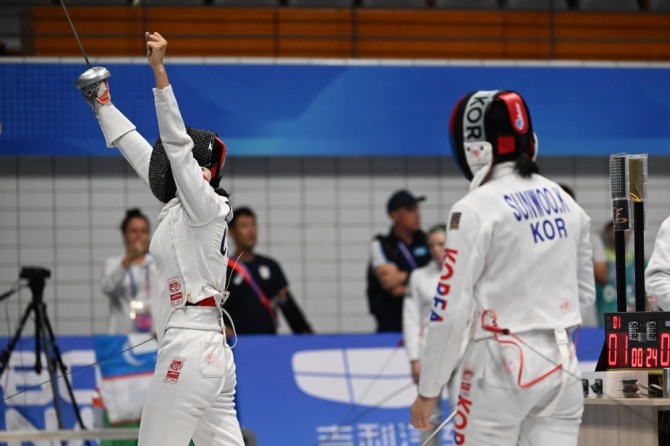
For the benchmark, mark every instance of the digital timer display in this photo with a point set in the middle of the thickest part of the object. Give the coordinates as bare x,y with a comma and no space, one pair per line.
637,340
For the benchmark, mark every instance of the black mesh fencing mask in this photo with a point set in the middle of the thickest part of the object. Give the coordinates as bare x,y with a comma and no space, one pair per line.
208,150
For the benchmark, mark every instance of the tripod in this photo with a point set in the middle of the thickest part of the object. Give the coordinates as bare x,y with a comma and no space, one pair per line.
44,340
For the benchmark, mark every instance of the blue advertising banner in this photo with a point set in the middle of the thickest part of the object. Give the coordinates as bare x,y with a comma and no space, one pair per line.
321,390
27,398
327,390
339,109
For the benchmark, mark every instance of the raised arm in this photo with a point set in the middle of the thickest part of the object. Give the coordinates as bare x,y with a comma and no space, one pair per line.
118,130
200,201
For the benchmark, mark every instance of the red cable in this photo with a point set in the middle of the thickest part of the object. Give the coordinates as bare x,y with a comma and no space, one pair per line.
493,327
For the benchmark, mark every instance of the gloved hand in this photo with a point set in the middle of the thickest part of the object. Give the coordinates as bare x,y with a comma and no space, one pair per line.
97,95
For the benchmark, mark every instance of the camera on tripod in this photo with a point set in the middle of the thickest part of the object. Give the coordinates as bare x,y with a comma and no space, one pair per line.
34,273
45,340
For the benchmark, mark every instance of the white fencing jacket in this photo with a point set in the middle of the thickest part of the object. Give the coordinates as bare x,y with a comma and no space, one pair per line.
657,274
417,307
518,246
189,245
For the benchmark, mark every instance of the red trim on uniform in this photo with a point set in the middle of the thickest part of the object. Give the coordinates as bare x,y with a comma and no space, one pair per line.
206,302
489,322
219,165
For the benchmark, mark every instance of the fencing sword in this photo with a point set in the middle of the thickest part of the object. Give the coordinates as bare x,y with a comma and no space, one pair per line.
89,80
440,427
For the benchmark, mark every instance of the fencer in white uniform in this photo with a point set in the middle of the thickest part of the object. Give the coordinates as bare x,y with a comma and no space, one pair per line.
416,311
193,386
517,266
657,274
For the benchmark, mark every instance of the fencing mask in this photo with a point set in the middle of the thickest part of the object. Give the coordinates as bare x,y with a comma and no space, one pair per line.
208,150
489,127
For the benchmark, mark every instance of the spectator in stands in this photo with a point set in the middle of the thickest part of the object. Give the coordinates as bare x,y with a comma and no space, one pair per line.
129,280
392,257
258,286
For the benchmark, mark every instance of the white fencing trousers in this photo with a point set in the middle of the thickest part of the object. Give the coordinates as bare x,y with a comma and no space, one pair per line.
493,410
193,387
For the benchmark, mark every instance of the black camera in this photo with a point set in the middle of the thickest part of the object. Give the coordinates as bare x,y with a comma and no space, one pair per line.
34,273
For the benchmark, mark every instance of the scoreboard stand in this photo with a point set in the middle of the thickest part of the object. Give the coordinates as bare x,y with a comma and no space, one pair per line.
627,399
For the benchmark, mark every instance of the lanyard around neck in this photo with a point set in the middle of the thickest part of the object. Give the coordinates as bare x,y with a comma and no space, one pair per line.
147,281
249,279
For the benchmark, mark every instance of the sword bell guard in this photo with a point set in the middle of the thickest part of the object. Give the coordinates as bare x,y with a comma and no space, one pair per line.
92,76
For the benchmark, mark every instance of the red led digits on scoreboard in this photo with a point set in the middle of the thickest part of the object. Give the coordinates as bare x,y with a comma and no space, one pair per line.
652,358
611,349
617,350
665,349
637,341
636,357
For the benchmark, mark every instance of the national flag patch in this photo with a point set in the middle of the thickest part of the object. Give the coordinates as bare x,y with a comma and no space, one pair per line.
455,220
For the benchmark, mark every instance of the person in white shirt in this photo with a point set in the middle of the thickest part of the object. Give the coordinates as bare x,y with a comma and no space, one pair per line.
191,394
129,281
517,268
419,295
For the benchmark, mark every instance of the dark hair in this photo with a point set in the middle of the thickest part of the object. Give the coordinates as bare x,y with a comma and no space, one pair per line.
525,166
568,190
242,211
130,214
221,191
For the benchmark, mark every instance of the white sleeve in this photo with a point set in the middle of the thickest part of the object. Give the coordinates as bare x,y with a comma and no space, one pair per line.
200,202
113,279
657,274
411,319
585,259
464,260
377,256
120,132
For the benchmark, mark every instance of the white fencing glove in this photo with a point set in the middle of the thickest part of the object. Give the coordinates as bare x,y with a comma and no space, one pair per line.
97,95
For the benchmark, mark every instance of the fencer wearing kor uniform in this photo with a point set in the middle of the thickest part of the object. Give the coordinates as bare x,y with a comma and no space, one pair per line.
657,274
416,311
517,265
192,389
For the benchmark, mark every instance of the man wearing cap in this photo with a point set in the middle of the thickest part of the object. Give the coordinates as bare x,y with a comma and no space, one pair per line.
393,257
